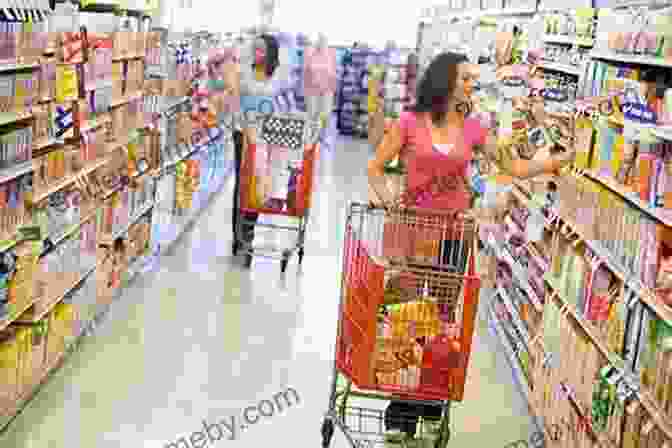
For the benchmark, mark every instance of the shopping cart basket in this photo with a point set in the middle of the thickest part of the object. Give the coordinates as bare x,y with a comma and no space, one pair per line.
409,297
276,178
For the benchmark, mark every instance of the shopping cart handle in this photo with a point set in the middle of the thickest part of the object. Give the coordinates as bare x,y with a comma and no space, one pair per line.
459,214
373,206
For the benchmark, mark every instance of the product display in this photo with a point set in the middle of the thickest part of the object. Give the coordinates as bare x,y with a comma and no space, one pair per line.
87,149
585,284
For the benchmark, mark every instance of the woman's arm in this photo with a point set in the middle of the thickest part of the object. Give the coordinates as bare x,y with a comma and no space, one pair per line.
525,169
388,150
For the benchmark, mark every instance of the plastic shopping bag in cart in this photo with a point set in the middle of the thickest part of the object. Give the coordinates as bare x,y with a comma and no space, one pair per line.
441,354
397,363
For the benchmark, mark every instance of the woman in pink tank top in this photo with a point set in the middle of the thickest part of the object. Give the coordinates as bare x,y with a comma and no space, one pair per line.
436,142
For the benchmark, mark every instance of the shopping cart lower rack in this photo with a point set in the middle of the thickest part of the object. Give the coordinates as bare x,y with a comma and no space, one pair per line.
409,296
276,179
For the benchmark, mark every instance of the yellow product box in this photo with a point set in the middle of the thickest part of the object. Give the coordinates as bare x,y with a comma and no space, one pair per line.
117,80
617,153
372,99
25,374
55,342
584,133
9,369
254,198
66,83
66,313
595,159
20,93
38,343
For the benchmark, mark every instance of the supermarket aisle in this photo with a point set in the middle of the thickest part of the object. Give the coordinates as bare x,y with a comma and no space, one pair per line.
202,338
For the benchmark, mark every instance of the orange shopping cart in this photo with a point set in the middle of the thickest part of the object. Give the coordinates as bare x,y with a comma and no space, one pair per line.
276,180
409,297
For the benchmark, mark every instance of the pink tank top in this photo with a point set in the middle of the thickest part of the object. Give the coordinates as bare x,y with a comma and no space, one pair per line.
437,179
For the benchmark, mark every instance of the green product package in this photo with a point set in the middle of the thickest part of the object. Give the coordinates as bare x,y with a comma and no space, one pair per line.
604,398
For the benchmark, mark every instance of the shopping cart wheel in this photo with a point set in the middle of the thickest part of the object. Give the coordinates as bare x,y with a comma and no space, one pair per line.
301,255
327,432
248,260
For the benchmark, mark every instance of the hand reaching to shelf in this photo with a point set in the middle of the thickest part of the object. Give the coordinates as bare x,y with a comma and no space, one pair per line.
513,71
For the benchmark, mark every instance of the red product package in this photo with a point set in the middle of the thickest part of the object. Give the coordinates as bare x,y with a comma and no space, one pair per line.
440,355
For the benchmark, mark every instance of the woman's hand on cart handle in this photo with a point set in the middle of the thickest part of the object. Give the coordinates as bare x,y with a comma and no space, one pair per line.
382,205
382,196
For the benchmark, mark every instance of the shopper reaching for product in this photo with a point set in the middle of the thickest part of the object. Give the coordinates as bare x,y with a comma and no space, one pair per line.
437,141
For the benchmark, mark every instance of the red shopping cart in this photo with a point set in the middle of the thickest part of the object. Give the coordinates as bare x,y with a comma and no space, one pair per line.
276,178
409,297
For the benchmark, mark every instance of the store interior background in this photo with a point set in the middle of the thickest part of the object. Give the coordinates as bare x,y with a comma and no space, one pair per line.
372,21
201,337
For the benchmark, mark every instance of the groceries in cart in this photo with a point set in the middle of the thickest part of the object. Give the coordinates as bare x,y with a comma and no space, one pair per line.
410,293
411,337
276,164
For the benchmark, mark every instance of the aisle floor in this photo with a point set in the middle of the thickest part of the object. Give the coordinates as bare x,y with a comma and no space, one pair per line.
201,338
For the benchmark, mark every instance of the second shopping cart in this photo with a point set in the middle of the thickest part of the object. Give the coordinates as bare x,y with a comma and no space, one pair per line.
276,180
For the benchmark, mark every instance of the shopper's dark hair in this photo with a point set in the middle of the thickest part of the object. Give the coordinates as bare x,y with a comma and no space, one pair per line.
272,54
437,85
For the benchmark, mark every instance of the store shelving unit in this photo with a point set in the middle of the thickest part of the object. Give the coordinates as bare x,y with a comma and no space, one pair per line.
630,59
50,299
576,71
510,352
567,236
568,40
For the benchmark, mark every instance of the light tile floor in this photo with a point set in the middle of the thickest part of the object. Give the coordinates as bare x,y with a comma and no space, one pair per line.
203,338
